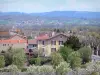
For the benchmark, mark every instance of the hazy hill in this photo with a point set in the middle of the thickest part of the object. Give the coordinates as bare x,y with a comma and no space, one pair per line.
75,14
50,19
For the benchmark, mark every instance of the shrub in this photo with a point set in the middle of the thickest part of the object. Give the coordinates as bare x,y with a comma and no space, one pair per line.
40,69
8,58
38,61
2,51
63,68
56,59
23,69
65,51
75,60
95,73
10,68
19,58
2,61
32,61
45,60
93,67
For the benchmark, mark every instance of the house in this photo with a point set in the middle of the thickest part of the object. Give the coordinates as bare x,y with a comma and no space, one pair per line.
32,44
16,41
48,44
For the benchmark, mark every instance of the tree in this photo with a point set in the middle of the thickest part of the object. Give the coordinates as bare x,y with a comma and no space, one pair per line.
86,53
56,59
29,37
8,56
74,60
65,51
73,42
19,58
2,61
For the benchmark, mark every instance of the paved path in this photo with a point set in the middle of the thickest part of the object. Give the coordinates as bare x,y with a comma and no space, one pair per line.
95,58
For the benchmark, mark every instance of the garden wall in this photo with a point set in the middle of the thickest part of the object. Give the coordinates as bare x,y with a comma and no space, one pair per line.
26,73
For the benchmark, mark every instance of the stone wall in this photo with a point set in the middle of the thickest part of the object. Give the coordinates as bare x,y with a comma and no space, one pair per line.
54,73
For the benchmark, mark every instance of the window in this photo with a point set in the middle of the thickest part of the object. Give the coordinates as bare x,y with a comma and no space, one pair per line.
53,42
33,45
53,49
4,44
60,42
42,42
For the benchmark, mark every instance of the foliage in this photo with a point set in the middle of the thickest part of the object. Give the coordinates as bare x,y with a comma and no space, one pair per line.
13,68
65,51
10,68
93,67
29,37
73,42
23,69
74,60
40,69
56,59
2,51
38,61
2,61
95,73
8,56
85,54
43,60
63,68
19,58
94,34
32,61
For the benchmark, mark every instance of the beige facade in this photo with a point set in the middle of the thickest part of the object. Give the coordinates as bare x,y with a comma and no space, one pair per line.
52,44
14,42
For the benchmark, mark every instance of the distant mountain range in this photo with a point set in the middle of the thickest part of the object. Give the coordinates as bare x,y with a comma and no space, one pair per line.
68,14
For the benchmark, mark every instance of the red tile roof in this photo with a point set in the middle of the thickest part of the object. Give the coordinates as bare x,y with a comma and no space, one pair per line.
42,37
47,37
32,41
13,41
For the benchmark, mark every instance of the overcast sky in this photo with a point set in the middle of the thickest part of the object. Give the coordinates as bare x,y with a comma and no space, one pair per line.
30,6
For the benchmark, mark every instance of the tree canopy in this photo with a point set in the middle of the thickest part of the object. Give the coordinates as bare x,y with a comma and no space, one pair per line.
73,42
86,53
65,51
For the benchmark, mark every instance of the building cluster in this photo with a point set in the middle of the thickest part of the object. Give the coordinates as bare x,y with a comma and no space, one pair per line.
45,43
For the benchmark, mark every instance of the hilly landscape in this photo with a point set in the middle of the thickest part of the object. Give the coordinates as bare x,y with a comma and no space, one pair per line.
50,19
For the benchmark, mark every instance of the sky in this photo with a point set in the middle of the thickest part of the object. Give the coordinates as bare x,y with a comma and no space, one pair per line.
34,6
